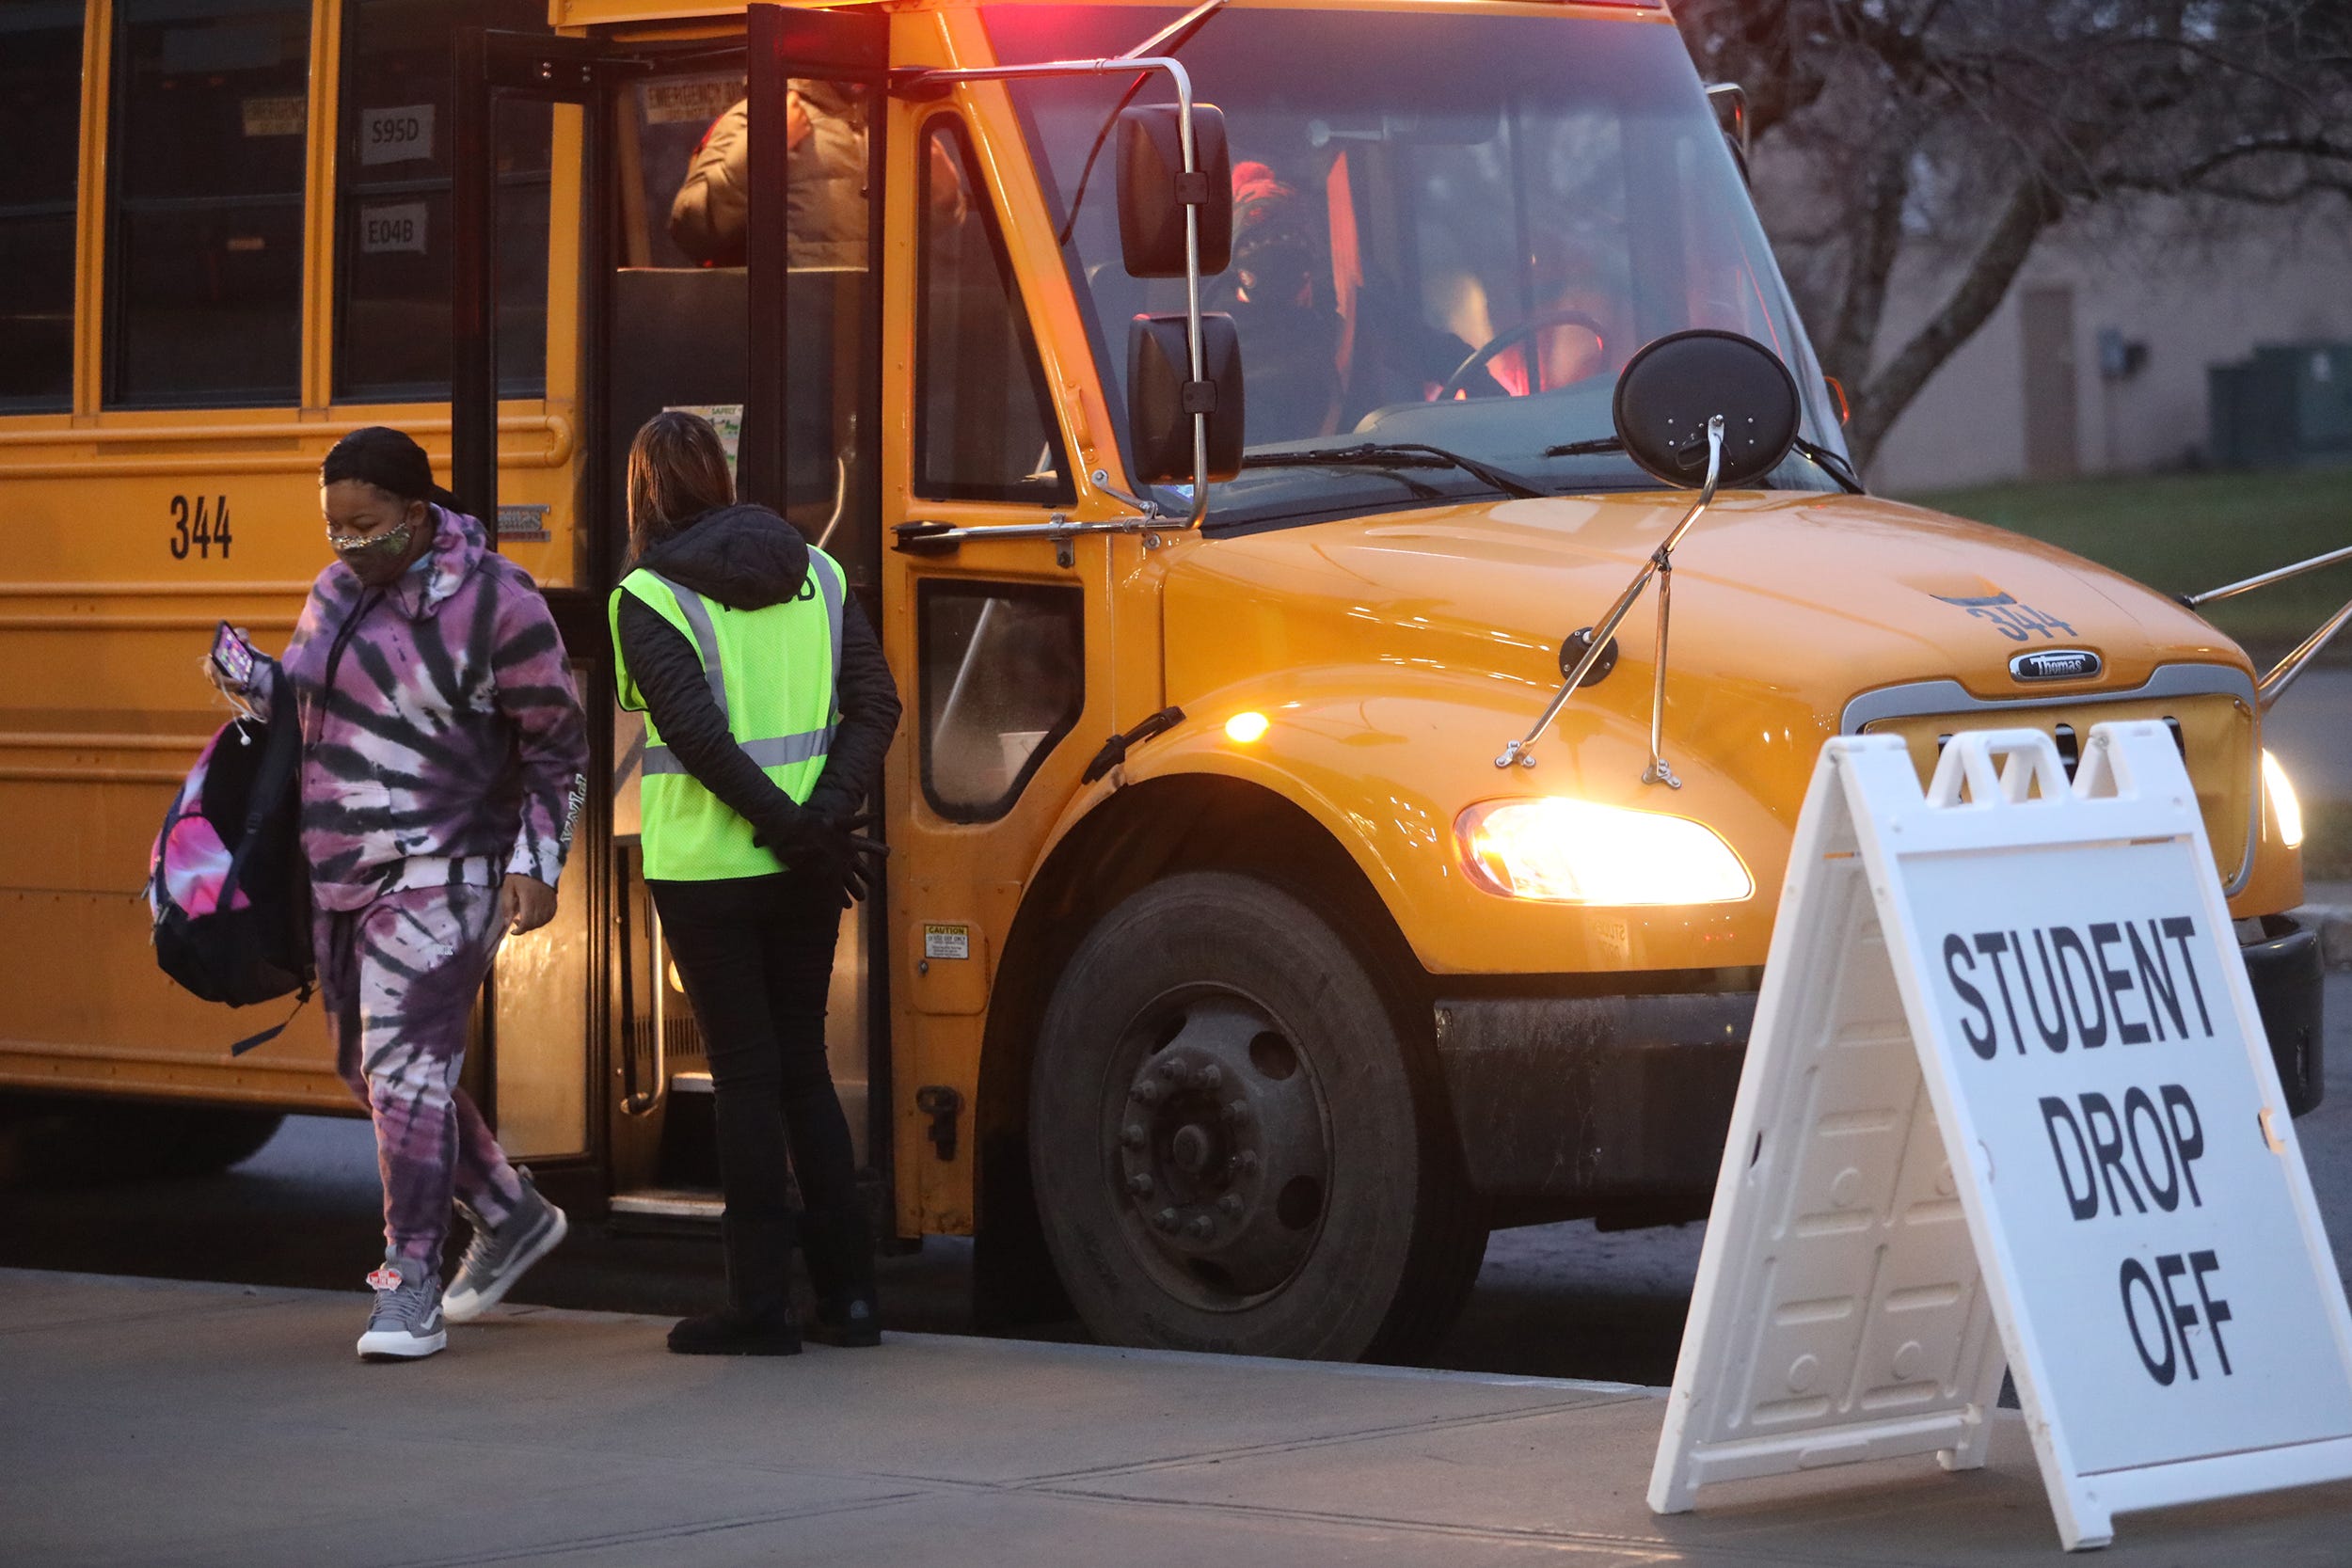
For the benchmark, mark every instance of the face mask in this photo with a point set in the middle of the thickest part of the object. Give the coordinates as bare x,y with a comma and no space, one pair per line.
377,559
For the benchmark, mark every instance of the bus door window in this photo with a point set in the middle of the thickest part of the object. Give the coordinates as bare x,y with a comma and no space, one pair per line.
393,179
680,305
984,426
40,95
677,325
1003,678
208,157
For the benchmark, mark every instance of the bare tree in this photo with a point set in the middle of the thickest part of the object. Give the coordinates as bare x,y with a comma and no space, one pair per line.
1978,124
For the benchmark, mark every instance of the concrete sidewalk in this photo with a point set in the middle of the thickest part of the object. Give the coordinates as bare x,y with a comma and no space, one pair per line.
144,1422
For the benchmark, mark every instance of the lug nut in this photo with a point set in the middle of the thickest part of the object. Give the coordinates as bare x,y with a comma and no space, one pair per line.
1203,1228
1165,1219
1139,1184
1229,1204
1246,1160
1212,1078
1131,1135
1172,1069
1146,1092
1237,1112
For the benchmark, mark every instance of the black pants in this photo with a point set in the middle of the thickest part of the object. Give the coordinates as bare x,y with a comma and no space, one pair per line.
756,955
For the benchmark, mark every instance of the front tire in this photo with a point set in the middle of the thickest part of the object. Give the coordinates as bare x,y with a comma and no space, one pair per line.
1238,1138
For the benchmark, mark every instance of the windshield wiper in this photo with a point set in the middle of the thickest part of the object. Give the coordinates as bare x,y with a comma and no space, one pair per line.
1586,449
1394,456
1831,465
1819,455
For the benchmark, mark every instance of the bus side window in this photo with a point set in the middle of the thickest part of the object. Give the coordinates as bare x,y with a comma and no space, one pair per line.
204,265
392,204
977,435
1002,680
40,97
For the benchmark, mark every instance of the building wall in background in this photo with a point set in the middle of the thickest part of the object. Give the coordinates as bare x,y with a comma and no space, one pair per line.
2195,293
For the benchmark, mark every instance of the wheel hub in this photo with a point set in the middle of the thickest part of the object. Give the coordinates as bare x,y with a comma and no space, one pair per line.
1223,1159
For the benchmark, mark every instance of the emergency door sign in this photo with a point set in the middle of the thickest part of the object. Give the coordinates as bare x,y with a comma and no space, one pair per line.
2008,1096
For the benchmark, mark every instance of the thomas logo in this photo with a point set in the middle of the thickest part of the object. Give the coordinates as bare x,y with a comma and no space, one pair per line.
2055,664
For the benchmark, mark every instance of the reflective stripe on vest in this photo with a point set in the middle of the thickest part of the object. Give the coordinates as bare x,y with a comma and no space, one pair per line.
774,677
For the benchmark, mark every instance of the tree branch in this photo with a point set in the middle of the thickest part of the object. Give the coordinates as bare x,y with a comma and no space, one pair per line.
1970,304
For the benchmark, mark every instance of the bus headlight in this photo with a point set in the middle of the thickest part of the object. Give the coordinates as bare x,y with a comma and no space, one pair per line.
1577,852
2284,808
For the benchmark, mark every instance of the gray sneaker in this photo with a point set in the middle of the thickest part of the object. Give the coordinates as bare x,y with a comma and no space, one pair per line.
497,1254
406,1323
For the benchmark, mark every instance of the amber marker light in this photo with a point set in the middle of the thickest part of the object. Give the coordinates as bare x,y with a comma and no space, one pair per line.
1568,851
2284,808
1245,727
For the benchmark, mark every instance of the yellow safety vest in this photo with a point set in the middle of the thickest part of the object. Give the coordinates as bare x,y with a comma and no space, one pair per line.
771,672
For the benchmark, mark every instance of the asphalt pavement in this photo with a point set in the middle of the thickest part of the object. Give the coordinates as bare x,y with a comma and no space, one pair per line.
1551,1301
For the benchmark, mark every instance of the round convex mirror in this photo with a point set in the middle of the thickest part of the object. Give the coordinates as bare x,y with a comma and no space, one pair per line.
1668,391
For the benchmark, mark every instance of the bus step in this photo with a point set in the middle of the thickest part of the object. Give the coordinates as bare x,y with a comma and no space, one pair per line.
690,1083
667,1206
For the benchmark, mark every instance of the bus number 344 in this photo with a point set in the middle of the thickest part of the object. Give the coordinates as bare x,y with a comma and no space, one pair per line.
194,530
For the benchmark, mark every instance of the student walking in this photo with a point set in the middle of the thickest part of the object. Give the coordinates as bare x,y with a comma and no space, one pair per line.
768,710
444,760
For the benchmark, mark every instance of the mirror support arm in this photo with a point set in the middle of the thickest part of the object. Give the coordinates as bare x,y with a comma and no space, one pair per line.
2287,671
1658,772
1522,752
2264,579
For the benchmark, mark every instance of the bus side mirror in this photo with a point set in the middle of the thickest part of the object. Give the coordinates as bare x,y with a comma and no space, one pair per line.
1155,192
1668,391
1162,397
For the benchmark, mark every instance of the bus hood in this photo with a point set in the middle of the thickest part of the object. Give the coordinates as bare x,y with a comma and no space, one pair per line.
1386,662
1813,597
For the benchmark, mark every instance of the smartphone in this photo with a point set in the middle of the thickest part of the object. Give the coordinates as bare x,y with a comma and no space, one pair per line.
233,657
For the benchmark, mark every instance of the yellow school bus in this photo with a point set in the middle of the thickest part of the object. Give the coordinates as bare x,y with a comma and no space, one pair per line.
1235,975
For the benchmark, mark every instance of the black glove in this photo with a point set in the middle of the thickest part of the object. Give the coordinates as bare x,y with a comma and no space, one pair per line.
805,842
829,850
861,855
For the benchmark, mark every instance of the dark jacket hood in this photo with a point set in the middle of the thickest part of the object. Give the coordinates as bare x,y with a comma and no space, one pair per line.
745,557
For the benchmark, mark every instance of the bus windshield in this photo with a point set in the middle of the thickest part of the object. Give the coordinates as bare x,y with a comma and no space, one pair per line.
1451,230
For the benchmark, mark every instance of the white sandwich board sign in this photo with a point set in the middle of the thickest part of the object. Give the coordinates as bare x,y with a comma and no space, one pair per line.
2007,1097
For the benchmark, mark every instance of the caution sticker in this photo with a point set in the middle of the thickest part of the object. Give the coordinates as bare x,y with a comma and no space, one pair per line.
947,942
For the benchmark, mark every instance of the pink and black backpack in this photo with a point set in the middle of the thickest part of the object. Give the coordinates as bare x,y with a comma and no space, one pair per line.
227,880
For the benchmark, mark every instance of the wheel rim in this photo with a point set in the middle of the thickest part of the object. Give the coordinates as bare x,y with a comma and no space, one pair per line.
1220,1149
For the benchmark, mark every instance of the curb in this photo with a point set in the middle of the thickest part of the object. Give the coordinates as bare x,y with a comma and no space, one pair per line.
2333,922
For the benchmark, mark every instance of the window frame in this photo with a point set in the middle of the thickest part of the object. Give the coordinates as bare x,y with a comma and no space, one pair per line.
68,207
928,592
345,203
114,304
984,208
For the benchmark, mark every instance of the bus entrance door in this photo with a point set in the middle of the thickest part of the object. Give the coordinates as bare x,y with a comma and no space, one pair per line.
730,189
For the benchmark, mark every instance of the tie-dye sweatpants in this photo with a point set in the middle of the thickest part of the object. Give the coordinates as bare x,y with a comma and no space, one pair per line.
398,978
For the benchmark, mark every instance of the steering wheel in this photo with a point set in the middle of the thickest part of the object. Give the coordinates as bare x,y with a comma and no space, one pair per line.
1508,336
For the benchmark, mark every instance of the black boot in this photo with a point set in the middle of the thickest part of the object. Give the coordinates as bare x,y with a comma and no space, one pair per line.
840,1252
758,1317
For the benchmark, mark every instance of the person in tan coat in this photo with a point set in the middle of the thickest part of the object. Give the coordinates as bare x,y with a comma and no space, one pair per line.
824,183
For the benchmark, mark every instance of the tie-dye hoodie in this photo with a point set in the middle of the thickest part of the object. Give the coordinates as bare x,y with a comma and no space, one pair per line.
453,729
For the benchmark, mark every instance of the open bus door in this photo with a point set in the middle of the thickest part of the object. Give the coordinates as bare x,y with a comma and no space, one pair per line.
773,334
